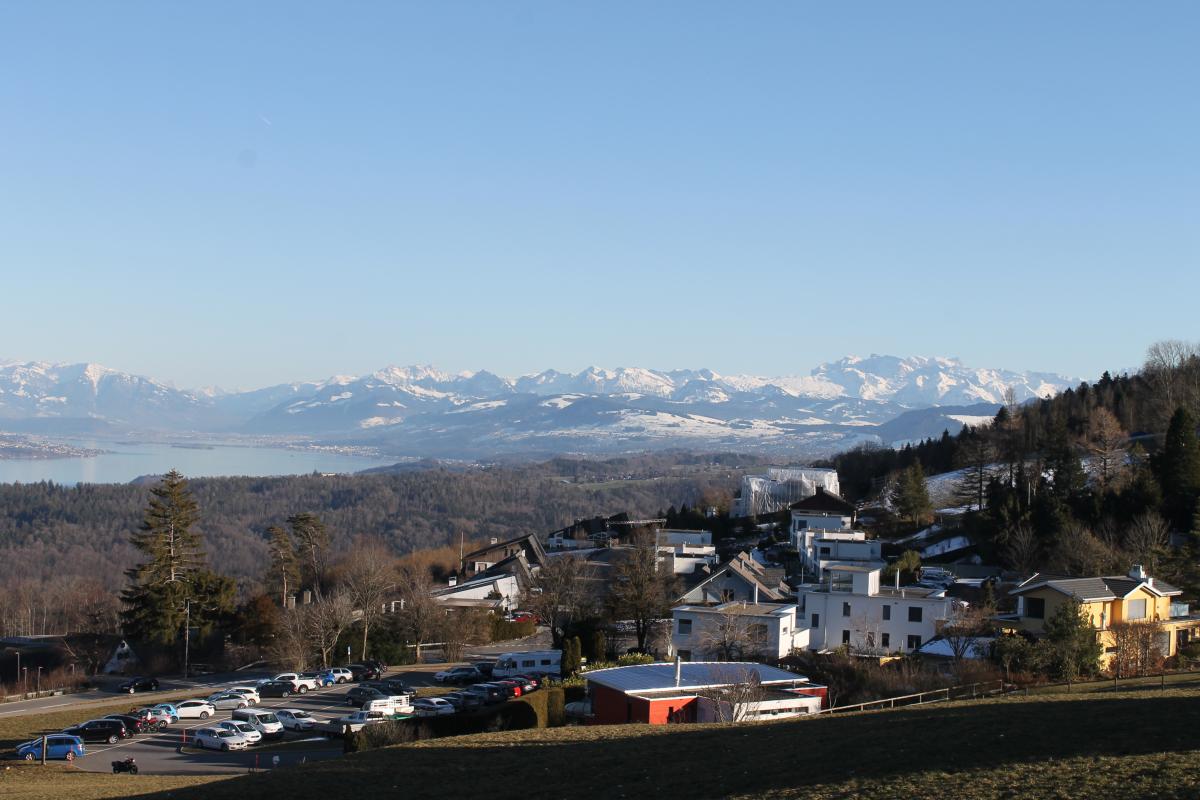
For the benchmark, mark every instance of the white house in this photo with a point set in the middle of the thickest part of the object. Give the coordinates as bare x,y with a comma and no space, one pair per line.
735,630
851,608
824,510
494,592
740,578
682,552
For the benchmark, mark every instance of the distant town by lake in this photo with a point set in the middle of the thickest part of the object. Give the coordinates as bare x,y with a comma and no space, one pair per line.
121,462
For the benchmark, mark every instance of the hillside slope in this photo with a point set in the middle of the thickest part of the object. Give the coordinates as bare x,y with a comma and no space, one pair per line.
1129,745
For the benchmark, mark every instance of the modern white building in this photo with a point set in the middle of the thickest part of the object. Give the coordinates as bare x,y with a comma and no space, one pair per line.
850,608
736,630
493,592
822,531
683,552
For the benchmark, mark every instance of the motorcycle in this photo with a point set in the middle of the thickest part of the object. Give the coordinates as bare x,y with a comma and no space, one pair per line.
128,765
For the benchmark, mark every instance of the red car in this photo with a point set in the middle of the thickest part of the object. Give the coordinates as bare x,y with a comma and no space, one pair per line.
151,719
516,687
524,616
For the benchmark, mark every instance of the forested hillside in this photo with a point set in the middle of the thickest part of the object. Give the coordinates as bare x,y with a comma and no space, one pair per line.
56,539
1083,483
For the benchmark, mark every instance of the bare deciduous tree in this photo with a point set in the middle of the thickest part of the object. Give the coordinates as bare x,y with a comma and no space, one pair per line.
292,644
1172,369
326,621
367,573
1078,551
1021,549
1108,444
1146,539
421,616
729,635
1136,647
736,694
642,590
560,594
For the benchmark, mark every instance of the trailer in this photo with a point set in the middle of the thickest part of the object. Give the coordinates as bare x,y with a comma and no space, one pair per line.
530,662
353,723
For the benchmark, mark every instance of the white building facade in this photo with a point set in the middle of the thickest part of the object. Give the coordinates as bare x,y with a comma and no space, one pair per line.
735,630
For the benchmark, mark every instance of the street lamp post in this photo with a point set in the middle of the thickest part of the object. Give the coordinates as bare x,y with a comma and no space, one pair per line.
24,680
39,678
18,665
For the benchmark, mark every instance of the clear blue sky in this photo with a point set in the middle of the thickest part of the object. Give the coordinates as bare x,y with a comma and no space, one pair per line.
244,193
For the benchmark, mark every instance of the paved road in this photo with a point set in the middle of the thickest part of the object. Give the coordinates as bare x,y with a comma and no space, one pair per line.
159,753
108,693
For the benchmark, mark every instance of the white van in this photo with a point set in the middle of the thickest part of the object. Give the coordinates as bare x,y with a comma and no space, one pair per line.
533,662
261,720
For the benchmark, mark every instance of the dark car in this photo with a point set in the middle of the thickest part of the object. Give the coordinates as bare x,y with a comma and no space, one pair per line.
132,723
139,685
361,694
489,693
277,689
379,666
513,688
100,730
458,675
463,701
393,686
363,672
485,668
530,682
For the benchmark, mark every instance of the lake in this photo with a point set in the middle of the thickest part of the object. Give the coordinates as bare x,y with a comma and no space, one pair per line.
126,461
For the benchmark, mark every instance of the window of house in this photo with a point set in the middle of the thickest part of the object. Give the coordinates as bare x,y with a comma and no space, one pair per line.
845,637
757,632
685,627
1135,609
914,613
816,620
841,581
914,642
885,640
845,609
887,613
1035,607
826,551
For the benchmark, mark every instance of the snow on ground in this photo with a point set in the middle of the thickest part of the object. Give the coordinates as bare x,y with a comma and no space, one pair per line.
375,422
483,406
945,546
971,420
342,396
925,533
561,401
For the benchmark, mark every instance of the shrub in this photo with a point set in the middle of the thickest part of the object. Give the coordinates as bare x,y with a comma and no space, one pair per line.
631,659
503,630
556,706
384,734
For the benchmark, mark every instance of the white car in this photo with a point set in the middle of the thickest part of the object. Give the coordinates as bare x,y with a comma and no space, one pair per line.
342,675
295,719
228,700
244,728
432,707
195,709
219,739
250,693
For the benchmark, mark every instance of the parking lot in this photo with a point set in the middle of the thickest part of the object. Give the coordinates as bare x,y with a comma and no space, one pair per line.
169,752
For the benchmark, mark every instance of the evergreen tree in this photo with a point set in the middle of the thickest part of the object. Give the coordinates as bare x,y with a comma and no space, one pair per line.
1179,469
1072,640
283,574
911,495
312,545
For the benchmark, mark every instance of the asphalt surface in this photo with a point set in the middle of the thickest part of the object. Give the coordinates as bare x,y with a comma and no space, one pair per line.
164,753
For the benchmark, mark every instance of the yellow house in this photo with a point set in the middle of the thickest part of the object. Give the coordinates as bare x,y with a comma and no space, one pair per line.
1107,600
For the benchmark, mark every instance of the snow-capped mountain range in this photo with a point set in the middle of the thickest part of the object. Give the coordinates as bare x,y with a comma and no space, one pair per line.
423,411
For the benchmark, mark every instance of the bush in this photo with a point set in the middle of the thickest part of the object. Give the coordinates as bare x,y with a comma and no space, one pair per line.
503,630
385,734
556,706
632,659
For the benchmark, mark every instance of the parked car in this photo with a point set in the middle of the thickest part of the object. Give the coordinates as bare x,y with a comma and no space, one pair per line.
228,700
195,709
109,731
523,616
529,683
361,694
364,672
432,707
295,719
253,736
219,739
139,684
262,720
323,678
132,723
58,745
463,701
341,674
394,686
513,687
458,675
485,668
168,710
376,663
277,689
489,693
249,692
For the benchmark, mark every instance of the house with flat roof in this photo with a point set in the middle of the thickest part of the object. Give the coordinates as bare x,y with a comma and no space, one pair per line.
850,608
736,630
663,693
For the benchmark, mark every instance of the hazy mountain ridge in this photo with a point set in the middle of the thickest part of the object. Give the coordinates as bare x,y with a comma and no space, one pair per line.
420,410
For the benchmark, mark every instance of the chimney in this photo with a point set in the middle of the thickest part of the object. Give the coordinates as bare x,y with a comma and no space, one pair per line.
1138,573
453,580
756,594
897,579
678,671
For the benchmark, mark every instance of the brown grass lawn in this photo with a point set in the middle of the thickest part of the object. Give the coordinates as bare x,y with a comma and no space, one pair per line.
1130,745
56,782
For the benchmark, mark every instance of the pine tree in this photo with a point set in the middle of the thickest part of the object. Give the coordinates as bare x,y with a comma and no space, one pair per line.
283,573
312,544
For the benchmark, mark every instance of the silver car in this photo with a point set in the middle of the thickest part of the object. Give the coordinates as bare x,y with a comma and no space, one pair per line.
228,700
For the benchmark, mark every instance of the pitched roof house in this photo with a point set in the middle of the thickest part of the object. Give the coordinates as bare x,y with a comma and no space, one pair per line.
740,578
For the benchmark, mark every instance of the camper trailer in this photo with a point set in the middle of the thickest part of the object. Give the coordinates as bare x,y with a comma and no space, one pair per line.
534,662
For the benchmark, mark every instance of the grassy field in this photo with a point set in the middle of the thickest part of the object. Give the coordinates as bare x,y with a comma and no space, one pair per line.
56,782
1128,745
